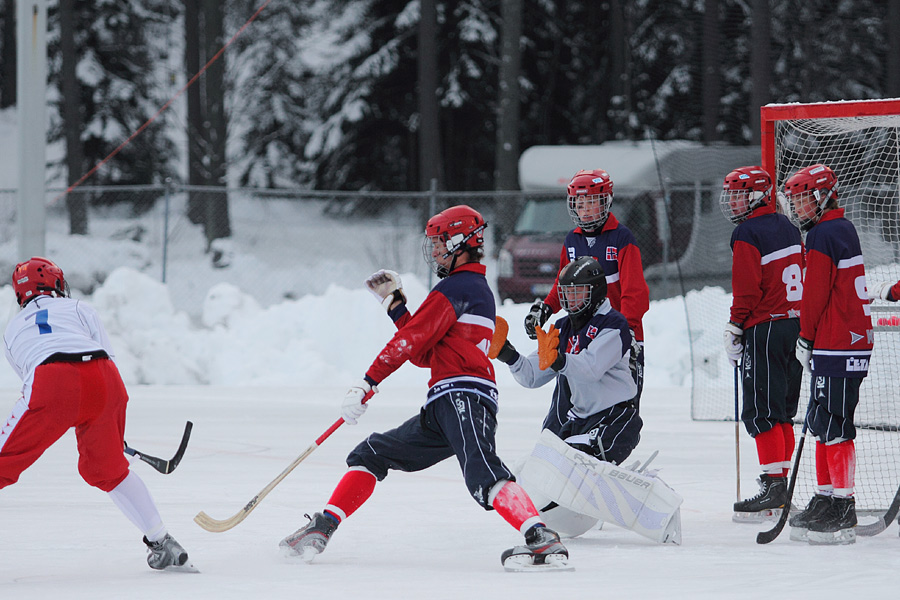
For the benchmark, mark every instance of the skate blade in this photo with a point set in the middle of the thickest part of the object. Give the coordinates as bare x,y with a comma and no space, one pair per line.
799,534
832,538
762,516
524,563
304,553
185,568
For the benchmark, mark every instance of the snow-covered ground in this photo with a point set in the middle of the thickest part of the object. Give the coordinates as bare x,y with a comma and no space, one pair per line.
419,536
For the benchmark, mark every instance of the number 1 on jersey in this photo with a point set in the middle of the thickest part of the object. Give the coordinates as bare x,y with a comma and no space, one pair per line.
40,319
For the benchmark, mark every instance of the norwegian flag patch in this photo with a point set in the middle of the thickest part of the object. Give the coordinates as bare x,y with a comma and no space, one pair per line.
612,253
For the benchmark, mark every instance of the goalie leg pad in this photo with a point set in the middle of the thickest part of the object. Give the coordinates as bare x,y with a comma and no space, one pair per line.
581,483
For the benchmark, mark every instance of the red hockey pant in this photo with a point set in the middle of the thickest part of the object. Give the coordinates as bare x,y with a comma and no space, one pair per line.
88,396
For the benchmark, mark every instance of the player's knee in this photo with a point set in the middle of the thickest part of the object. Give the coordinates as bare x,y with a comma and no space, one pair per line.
102,480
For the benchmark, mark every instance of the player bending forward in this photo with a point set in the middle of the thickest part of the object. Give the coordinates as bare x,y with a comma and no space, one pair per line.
835,345
59,348
587,354
450,333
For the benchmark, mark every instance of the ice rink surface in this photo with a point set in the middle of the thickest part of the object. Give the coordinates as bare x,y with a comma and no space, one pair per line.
419,536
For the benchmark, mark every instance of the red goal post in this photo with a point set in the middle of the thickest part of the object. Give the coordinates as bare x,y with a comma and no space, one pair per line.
860,141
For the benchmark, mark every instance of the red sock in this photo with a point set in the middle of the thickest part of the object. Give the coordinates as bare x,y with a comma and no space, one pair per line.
842,466
352,490
769,448
787,431
513,504
823,477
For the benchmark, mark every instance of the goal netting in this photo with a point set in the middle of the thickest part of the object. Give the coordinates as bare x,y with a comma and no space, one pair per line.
859,141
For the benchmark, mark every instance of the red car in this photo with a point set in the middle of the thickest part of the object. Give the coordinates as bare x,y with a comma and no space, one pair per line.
529,259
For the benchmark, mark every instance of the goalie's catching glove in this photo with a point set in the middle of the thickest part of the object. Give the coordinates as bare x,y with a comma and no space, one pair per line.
387,287
536,317
354,404
549,354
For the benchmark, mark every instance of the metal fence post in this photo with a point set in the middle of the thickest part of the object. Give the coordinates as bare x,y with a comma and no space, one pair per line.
165,240
432,210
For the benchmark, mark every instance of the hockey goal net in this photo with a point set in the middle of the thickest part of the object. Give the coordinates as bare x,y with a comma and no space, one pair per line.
860,141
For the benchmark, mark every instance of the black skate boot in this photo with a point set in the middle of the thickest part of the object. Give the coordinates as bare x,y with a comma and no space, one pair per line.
800,522
310,540
767,504
542,550
168,555
837,525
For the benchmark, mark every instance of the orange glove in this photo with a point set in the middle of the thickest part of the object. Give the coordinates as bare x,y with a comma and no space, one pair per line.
501,330
548,346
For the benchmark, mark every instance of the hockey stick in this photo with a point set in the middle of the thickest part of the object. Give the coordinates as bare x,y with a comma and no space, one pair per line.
883,521
737,436
219,525
764,537
164,466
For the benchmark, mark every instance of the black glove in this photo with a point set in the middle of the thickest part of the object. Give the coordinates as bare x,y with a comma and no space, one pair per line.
536,317
508,353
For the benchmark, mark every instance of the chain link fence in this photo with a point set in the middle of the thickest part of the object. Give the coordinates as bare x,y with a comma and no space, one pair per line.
289,243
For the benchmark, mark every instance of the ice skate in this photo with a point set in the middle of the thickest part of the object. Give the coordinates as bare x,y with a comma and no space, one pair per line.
542,551
310,540
767,504
800,522
837,525
168,555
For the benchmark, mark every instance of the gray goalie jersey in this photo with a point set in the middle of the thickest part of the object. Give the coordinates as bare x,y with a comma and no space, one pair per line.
596,374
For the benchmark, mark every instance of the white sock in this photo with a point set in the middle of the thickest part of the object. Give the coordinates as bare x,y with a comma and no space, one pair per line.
134,500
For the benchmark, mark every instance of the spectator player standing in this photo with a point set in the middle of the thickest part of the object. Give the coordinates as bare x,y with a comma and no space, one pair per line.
450,333
835,345
600,235
761,335
59,348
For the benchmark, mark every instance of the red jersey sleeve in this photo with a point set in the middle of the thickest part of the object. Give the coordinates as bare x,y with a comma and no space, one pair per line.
635,301
552,299
746,281
416,335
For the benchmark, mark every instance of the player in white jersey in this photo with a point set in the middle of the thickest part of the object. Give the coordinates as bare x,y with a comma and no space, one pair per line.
59,348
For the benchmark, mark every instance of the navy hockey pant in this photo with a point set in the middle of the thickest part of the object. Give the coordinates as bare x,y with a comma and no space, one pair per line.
834,401
457,423
609,435
770,375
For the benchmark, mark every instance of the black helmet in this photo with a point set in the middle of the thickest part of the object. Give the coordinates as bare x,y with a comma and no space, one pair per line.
582,286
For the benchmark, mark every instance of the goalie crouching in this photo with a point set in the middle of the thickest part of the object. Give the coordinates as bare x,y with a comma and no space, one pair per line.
573,470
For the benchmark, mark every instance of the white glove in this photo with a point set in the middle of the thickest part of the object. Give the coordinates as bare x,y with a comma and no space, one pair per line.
734,345
803,352
353,407
880,290
386,286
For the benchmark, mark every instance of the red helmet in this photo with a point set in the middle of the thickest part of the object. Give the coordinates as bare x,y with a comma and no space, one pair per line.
38,277
745,189
820,183
460,228
590,195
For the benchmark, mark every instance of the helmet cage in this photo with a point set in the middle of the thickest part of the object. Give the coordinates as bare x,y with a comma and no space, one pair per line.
575,298
738,204
595,206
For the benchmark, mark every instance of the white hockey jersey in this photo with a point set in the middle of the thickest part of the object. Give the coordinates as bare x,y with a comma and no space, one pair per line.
49,325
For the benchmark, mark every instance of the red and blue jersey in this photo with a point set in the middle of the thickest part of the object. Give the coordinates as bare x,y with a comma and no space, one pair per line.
616,249
835,307
450,333
767,269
